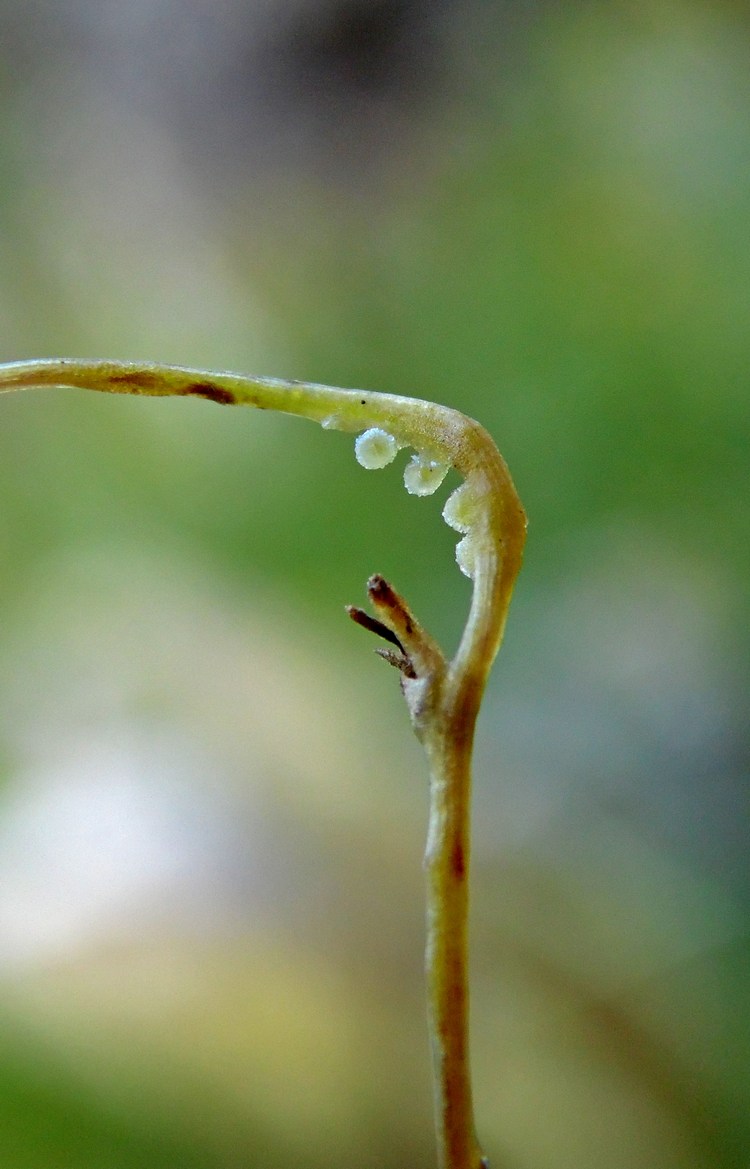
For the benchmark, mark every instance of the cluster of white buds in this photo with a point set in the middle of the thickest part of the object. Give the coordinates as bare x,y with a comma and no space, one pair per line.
461,512
376,448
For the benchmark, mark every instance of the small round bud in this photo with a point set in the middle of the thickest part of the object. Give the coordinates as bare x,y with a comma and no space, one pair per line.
375,448
466,556
460,511
423,476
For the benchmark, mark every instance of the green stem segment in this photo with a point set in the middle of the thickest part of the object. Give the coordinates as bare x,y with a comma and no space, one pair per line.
443,697
446,961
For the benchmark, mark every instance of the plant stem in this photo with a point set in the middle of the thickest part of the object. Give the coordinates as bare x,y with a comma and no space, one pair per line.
446,956
443,697
443,700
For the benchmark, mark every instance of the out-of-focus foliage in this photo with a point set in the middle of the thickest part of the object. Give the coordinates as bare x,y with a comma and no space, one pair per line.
211,812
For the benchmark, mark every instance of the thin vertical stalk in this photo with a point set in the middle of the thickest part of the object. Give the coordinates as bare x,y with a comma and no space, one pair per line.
447,859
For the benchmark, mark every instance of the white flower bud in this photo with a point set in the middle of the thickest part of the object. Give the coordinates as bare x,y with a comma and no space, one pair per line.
375,448
423,476
461,511
466,556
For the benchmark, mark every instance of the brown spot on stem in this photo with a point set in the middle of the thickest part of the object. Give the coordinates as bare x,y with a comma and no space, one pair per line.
210,391
139,379
458,861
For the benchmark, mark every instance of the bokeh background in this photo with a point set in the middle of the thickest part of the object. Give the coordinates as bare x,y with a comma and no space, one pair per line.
212,812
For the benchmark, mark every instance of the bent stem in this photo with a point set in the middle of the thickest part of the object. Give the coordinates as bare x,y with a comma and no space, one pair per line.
443,697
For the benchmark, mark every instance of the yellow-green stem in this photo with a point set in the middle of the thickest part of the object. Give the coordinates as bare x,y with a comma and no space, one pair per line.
447,882
443,697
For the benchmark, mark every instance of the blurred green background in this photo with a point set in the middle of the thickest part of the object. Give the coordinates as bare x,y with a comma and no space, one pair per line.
212,812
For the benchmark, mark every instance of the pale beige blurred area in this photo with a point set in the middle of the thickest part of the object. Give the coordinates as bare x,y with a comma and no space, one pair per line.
212,811
194,782
210,899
